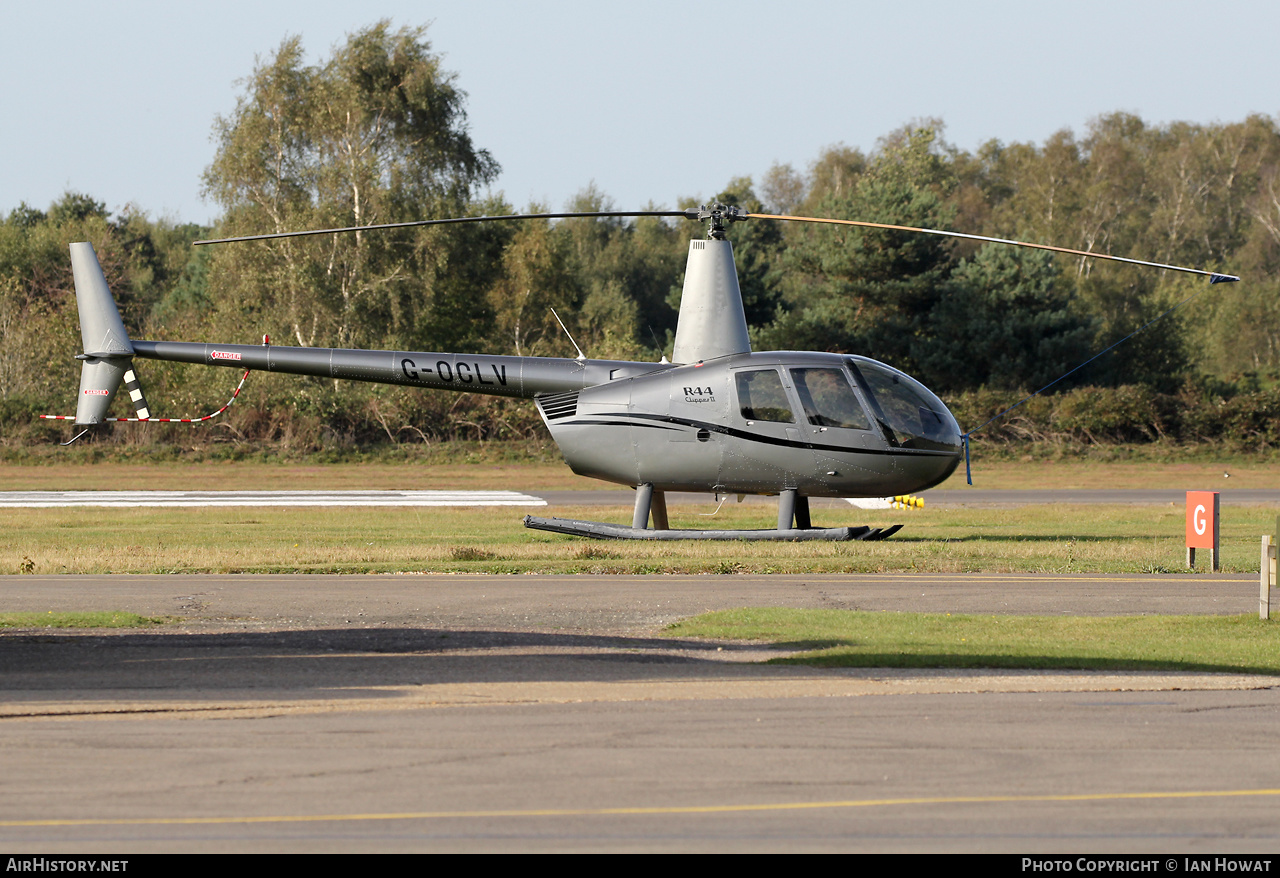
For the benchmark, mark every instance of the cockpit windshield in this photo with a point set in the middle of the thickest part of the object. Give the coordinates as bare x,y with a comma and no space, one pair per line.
914,416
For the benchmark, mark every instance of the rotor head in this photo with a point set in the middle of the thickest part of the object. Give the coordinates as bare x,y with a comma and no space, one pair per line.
717,215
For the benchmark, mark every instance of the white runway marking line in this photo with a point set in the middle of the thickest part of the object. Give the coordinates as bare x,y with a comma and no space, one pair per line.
51,499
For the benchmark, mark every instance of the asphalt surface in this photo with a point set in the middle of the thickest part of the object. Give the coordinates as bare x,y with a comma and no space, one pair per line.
522,713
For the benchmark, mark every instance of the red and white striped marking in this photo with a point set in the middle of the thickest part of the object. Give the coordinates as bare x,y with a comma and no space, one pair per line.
134,386
142,418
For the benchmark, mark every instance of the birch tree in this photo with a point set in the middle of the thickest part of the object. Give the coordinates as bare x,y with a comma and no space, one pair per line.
374,134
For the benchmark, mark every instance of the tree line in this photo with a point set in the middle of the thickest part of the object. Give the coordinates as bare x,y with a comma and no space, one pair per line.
377,133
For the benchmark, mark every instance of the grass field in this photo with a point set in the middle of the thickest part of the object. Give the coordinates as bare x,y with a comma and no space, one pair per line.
51,619
1037,539
1059,538
475,466
1129,539
843,638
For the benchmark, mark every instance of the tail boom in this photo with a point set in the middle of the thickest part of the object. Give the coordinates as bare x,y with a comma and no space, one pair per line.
523,377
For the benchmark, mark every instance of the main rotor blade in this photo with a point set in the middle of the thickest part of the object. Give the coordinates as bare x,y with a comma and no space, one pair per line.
1214,276
687,214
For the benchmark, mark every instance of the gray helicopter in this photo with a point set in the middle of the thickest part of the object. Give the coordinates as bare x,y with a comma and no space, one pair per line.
718,418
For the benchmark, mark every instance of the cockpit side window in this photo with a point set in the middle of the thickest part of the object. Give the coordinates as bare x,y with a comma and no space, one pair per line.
828,399
761,397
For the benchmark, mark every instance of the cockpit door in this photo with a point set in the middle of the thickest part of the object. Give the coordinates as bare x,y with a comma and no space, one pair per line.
769,451
835,420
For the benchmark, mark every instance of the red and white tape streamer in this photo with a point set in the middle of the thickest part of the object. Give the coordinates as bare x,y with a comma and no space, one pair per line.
239,386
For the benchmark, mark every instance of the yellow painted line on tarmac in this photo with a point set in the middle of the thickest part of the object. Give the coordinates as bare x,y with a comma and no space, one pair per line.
612,812
1037,577
1065,579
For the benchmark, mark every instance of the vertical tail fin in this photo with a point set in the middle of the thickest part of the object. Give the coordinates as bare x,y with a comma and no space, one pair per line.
107,349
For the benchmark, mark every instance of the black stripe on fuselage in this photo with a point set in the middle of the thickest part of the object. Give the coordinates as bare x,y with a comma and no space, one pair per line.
585,423
756,437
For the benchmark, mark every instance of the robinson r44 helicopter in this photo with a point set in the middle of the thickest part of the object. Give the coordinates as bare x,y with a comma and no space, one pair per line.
718,418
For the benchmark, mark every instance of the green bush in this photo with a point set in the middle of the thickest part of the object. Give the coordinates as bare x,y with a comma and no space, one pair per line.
1247,421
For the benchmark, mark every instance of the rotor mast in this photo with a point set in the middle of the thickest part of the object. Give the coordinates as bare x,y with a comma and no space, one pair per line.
712,321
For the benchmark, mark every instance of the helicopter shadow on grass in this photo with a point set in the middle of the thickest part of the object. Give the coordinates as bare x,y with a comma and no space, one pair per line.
361,663
343,662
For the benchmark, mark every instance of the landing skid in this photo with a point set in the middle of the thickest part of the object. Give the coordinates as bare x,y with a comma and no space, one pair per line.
602,531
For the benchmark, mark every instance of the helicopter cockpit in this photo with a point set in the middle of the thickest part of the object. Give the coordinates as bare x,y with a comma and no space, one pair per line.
892,403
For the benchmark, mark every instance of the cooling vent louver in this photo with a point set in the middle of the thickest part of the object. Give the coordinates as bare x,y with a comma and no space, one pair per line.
559,405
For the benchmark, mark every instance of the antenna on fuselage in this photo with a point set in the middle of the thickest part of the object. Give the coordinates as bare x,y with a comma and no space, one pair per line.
581,356
657,345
